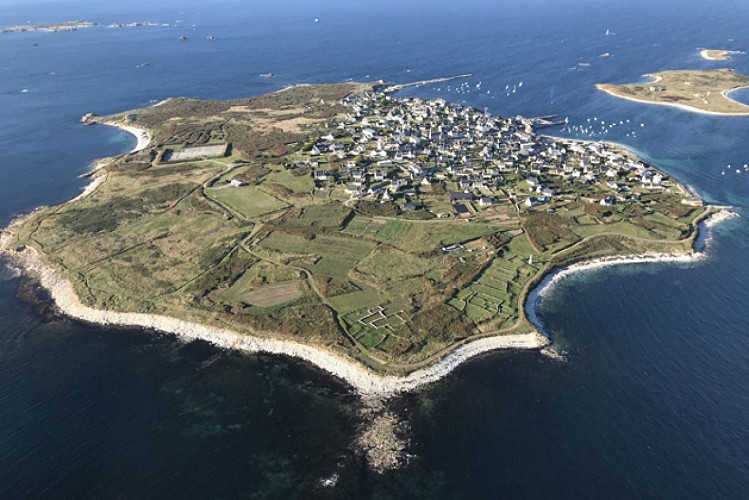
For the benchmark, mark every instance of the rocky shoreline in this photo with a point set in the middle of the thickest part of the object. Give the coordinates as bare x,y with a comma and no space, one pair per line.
535,297
362,379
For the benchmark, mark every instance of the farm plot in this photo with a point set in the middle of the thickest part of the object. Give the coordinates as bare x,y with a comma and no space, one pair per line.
274,295
265,284
294,183
327,255
397,273
417,236
494,295
248,201
317,216
376,327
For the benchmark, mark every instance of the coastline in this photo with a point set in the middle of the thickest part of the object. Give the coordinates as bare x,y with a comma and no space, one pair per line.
141,135
363,380
536,296
682,106
631,150
722,55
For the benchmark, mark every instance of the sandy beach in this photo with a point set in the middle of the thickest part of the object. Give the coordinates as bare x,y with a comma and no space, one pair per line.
714,55
142,135
682,106
144,139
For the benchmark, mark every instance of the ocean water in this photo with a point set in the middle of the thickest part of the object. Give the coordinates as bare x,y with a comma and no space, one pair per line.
654,401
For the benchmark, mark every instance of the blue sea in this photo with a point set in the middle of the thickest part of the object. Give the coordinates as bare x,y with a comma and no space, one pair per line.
654,400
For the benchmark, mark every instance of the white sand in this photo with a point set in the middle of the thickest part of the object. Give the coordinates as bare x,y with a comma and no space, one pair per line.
722,55
144,138
684,106
90,187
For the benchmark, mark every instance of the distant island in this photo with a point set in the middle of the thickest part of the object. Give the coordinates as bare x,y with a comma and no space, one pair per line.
76,25
52,28
715,54
385,239
693,90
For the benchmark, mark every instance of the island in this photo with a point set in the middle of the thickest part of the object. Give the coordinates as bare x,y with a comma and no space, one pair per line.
385,239
715,54
693,90
51,28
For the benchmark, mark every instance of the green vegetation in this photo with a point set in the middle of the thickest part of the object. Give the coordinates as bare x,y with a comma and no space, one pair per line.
248,201
273,239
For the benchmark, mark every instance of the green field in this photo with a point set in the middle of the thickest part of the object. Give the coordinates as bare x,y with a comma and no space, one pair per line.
248,201
327,255
297,184
417,236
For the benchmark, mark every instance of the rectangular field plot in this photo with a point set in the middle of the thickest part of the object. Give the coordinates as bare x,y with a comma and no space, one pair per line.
376,327
357,300
274,295
248,201
417,236
494,295
297,184
197,153
265,284
317,216
328,255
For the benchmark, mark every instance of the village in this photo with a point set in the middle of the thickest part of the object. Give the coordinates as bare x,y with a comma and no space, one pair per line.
450,160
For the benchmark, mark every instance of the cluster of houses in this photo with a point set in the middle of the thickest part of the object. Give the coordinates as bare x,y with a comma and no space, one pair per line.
389,149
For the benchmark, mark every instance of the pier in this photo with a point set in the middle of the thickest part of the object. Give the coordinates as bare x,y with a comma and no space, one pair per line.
394,88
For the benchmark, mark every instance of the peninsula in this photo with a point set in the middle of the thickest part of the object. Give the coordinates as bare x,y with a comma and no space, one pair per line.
693,90
385,239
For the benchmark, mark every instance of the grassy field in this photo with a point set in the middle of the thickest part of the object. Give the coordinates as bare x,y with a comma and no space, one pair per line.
248,201
493,296
327,255
228,176
328,216
414,236
265,284
273,295
369,297
296,184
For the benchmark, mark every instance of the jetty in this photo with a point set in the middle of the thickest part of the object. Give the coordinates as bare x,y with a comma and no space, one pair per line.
400,86
546,121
